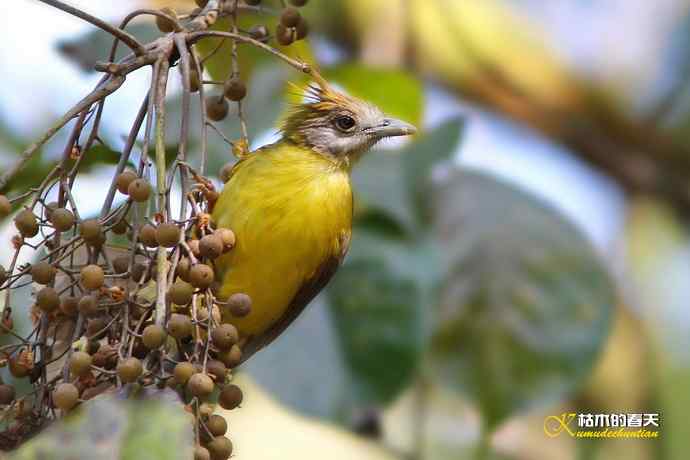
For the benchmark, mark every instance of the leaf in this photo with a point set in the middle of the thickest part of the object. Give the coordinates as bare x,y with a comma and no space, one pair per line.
420,157
525,306
396,184
376,314
111,428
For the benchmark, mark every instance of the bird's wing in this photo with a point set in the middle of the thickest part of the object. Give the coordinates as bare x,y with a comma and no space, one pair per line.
305,294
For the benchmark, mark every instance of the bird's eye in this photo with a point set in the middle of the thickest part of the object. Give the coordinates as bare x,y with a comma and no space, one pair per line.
344,122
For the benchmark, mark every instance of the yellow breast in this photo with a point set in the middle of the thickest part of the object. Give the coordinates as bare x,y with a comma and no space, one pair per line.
289,208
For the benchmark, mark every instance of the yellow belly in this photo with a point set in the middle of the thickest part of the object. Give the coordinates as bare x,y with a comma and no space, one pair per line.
289,208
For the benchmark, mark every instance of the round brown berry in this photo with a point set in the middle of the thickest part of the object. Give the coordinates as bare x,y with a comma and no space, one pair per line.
129,370
183,267
124,179
211,246
65,396
183,371
120,227
5,206
80,363
231,358
43,273
227,236
168,235
88,305
284,35
201,453
92,277
217,369
290,17
259,32
153,336
230,397
26,223
239,304
217,108
62,219
180,326
194,247
181,293
47,299
235,89
217,425
224,336
139,190
147,235
69,305
301,29
200,385
201,276
121,264
226,172
220,448
164,24
91,230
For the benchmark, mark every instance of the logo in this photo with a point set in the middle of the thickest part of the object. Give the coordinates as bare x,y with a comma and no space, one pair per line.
603,425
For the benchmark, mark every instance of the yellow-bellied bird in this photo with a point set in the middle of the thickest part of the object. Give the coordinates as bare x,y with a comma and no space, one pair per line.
290,205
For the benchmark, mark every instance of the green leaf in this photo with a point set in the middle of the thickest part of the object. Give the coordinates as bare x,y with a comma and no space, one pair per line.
377,318
526,304
420,157
398,93
112,428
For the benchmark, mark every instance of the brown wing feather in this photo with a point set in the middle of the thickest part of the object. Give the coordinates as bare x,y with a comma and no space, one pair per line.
305,294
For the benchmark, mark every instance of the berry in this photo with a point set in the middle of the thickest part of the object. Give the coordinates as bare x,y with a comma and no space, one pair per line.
235,89
227,236
301,29
200,385
201,276
43,273
284,35
69,305
62,219
124,179
153,336
5,206
224,336
120,227
220,448
232,357
121,264
259,32
80,363
240,305
183,268
139,190
91,230
147,235
181,293
194,246
180,326
290,17
225,172
47,299
92,277
230,397
183,371
201,453
129,370
217,425
217,108
166,25
217,369
168,235
7,394
26,223
211,246
96,329
65,396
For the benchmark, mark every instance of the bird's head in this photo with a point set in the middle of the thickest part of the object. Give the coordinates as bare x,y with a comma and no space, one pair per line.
338,125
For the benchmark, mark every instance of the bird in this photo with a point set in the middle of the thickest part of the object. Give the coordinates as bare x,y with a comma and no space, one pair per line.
290,205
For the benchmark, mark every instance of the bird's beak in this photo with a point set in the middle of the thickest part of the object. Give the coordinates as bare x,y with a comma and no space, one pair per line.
392,127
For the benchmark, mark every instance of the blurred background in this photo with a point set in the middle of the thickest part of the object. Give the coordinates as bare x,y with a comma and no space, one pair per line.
525,256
